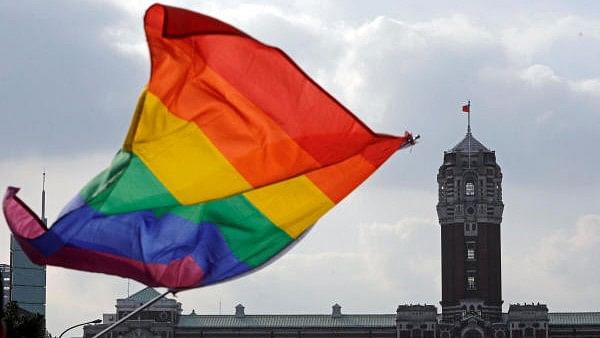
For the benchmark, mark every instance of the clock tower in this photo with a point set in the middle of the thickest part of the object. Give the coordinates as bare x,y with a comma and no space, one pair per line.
470,212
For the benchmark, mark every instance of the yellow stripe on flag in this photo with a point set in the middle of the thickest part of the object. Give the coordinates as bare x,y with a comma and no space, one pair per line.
182,157
293,205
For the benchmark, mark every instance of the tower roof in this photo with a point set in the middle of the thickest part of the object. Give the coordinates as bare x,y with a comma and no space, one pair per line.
144,295
469,144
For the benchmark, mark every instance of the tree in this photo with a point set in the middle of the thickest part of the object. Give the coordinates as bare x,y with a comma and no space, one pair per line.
23,324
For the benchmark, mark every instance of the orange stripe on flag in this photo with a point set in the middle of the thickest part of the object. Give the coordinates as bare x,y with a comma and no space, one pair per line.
239,129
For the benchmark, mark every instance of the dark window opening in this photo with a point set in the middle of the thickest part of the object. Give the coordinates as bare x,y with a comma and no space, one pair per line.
473,334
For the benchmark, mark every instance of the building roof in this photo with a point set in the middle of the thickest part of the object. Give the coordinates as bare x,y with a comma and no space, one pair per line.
574,318
144,295
527,307
343,321
469,144
289,321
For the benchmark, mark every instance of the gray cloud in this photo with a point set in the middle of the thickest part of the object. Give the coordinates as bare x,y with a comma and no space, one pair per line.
64,89
554,263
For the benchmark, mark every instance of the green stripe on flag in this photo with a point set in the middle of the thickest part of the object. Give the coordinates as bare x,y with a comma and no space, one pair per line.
128,185
251,236
133,188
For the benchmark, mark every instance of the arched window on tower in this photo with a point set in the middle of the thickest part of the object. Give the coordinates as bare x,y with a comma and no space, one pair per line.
470,189
471,254
471,283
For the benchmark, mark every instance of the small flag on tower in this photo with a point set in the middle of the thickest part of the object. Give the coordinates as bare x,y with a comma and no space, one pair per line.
467,108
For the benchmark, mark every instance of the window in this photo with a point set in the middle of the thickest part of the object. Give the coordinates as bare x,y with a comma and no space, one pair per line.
470,189
471,283
471,254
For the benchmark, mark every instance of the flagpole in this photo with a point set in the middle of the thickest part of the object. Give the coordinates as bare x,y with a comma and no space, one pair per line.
469,131
134,312
44,220
410,142
469,117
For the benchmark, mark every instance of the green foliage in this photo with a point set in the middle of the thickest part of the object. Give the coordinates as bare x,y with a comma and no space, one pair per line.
22,324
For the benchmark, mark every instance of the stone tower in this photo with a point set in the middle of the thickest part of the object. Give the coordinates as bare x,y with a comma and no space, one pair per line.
470,212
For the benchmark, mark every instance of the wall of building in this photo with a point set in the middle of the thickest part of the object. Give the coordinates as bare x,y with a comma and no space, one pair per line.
28,281
5,276
286,332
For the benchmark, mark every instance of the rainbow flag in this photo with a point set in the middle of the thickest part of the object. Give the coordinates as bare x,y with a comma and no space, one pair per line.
232,155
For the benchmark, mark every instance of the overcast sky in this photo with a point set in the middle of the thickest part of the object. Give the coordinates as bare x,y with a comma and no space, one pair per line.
71,71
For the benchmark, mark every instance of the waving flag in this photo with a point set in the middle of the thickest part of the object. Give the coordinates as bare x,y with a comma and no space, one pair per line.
467,107
232,155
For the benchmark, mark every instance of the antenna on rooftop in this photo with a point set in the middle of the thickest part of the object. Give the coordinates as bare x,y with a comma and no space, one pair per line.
44,219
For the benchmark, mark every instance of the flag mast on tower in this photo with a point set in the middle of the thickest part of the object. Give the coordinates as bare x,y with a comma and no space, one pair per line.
467,109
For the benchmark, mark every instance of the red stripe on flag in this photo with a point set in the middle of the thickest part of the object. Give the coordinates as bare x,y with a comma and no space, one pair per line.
268,78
